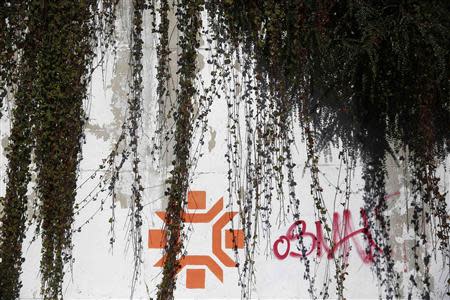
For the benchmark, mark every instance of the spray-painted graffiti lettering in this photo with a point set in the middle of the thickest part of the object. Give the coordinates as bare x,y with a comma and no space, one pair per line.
341,235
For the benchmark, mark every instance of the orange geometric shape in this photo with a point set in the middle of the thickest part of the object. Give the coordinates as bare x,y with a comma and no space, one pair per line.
234,238
217,239
195,279
196,200
156,239
196,260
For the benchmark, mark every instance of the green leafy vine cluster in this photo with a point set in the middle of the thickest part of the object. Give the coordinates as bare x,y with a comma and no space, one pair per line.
370,78
46,51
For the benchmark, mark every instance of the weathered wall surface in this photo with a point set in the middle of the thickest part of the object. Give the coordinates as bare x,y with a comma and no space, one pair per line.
102,272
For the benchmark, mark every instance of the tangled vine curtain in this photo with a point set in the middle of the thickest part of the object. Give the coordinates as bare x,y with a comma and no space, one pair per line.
368,77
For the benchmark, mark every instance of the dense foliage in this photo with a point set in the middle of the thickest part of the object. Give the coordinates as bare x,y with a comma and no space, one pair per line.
45,64
368,77
371,77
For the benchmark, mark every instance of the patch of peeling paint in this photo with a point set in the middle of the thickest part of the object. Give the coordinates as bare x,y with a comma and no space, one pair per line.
212,140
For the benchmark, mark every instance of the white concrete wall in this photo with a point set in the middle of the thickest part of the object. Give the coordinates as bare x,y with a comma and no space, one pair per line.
100,273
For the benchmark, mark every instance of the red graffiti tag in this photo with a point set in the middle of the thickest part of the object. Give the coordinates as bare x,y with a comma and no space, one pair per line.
339,239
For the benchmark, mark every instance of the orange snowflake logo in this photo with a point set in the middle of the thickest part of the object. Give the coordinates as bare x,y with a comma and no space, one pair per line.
195,278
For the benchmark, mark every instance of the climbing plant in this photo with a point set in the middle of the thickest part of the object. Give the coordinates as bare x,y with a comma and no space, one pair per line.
189,24
46,63
370,78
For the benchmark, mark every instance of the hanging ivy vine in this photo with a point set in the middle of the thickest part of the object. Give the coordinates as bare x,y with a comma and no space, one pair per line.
368,77
189,24
14,203
371,77
46,65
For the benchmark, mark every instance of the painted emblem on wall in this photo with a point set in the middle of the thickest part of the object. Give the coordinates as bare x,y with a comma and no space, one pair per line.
234,239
